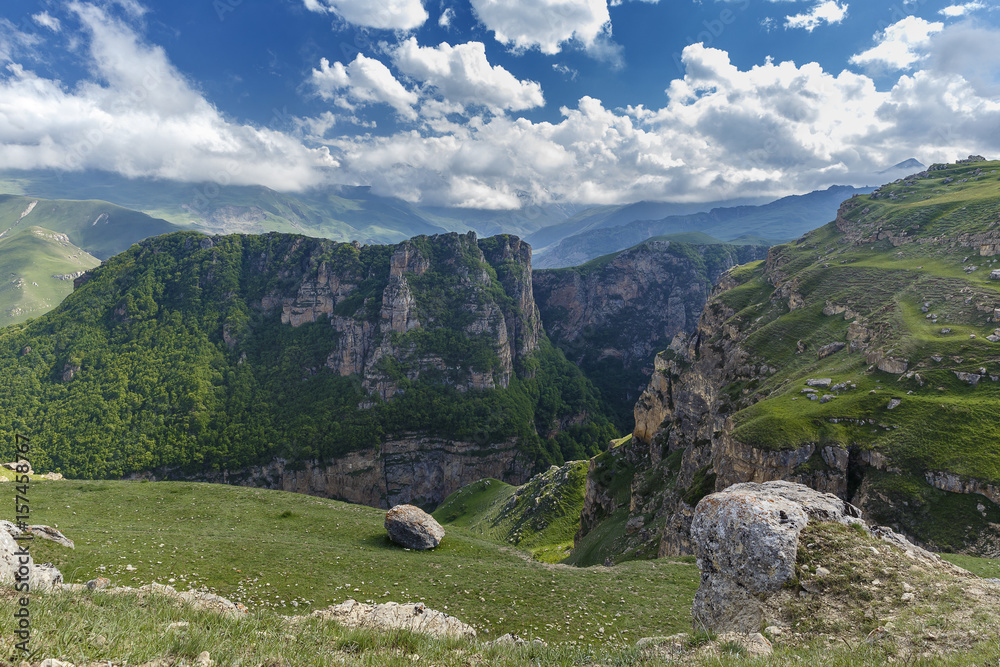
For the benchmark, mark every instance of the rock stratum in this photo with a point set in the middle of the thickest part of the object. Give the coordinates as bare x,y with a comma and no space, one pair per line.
376,374
862,360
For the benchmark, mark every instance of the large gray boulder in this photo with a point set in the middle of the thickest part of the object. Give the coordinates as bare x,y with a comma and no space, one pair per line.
413,528
746,541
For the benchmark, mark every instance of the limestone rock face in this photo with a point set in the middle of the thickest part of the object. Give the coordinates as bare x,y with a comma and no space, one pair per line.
415,617
41,575
413,528
416,469
746,540
631,307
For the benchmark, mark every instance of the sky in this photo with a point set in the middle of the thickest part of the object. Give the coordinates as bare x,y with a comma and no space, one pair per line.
498,104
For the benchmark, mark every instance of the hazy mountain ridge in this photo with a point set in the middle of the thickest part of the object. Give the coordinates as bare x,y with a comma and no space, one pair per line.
774,222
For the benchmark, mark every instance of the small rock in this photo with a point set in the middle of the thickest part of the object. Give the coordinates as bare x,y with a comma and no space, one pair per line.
906,597
819,382
894,403
827,398
813,397
98,584
178,626
822,572
756,645
204,659
52,662
832,348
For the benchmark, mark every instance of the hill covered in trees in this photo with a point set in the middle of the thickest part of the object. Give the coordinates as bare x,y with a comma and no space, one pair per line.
199,355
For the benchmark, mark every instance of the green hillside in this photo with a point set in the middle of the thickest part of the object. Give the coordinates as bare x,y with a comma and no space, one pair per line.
540,516
101,228
37,269
168,356
291,553
903,279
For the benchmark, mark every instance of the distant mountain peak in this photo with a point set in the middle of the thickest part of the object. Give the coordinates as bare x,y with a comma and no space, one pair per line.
912,164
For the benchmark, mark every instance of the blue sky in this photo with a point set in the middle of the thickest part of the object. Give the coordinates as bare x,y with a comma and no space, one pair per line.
494,103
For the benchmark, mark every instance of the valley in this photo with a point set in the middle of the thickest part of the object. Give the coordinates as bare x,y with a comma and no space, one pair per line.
562,424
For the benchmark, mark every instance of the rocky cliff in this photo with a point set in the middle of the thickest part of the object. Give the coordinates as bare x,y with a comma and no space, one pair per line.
612,315
848,361
415,470
378,374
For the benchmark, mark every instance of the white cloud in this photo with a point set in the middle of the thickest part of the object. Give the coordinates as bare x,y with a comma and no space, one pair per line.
544,24
827,11
138,116
13,42
772,130
953,11
385,14
46,20
365,81
447,16
901,45
463,74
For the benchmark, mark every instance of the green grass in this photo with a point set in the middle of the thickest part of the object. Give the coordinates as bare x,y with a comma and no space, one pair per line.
291,553
541,516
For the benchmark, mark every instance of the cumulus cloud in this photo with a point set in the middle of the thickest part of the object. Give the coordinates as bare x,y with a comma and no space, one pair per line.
463,74
365,81
775,129
901,45
544,24
827,11
385,14
953,11
139,116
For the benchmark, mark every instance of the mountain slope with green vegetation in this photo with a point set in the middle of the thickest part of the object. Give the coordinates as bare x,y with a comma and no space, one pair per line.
206,355
863,359
541,516
38,268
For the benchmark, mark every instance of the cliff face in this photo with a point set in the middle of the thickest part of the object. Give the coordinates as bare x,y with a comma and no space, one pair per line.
371,373
613,315
428,284
860,360
416,470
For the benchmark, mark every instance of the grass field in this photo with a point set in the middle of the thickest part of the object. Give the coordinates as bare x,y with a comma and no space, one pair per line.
294,553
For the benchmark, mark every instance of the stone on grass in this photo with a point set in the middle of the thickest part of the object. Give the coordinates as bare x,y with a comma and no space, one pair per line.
415,617
413,528
746,540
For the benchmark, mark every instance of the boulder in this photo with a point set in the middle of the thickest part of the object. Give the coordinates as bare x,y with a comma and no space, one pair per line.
415,617
413,528
41,576
746,541
819,382
832,348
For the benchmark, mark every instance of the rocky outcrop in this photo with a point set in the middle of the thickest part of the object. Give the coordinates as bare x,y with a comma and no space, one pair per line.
412,616
627,309
746,539
17,565
413,528
419,470
409,301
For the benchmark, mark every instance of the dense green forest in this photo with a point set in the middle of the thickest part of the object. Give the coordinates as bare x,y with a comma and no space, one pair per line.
166,356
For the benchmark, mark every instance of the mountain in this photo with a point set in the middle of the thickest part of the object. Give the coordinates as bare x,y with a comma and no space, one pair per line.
340,213
783,219
611,315
45,244
863,359
601,217
910,166
376,374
